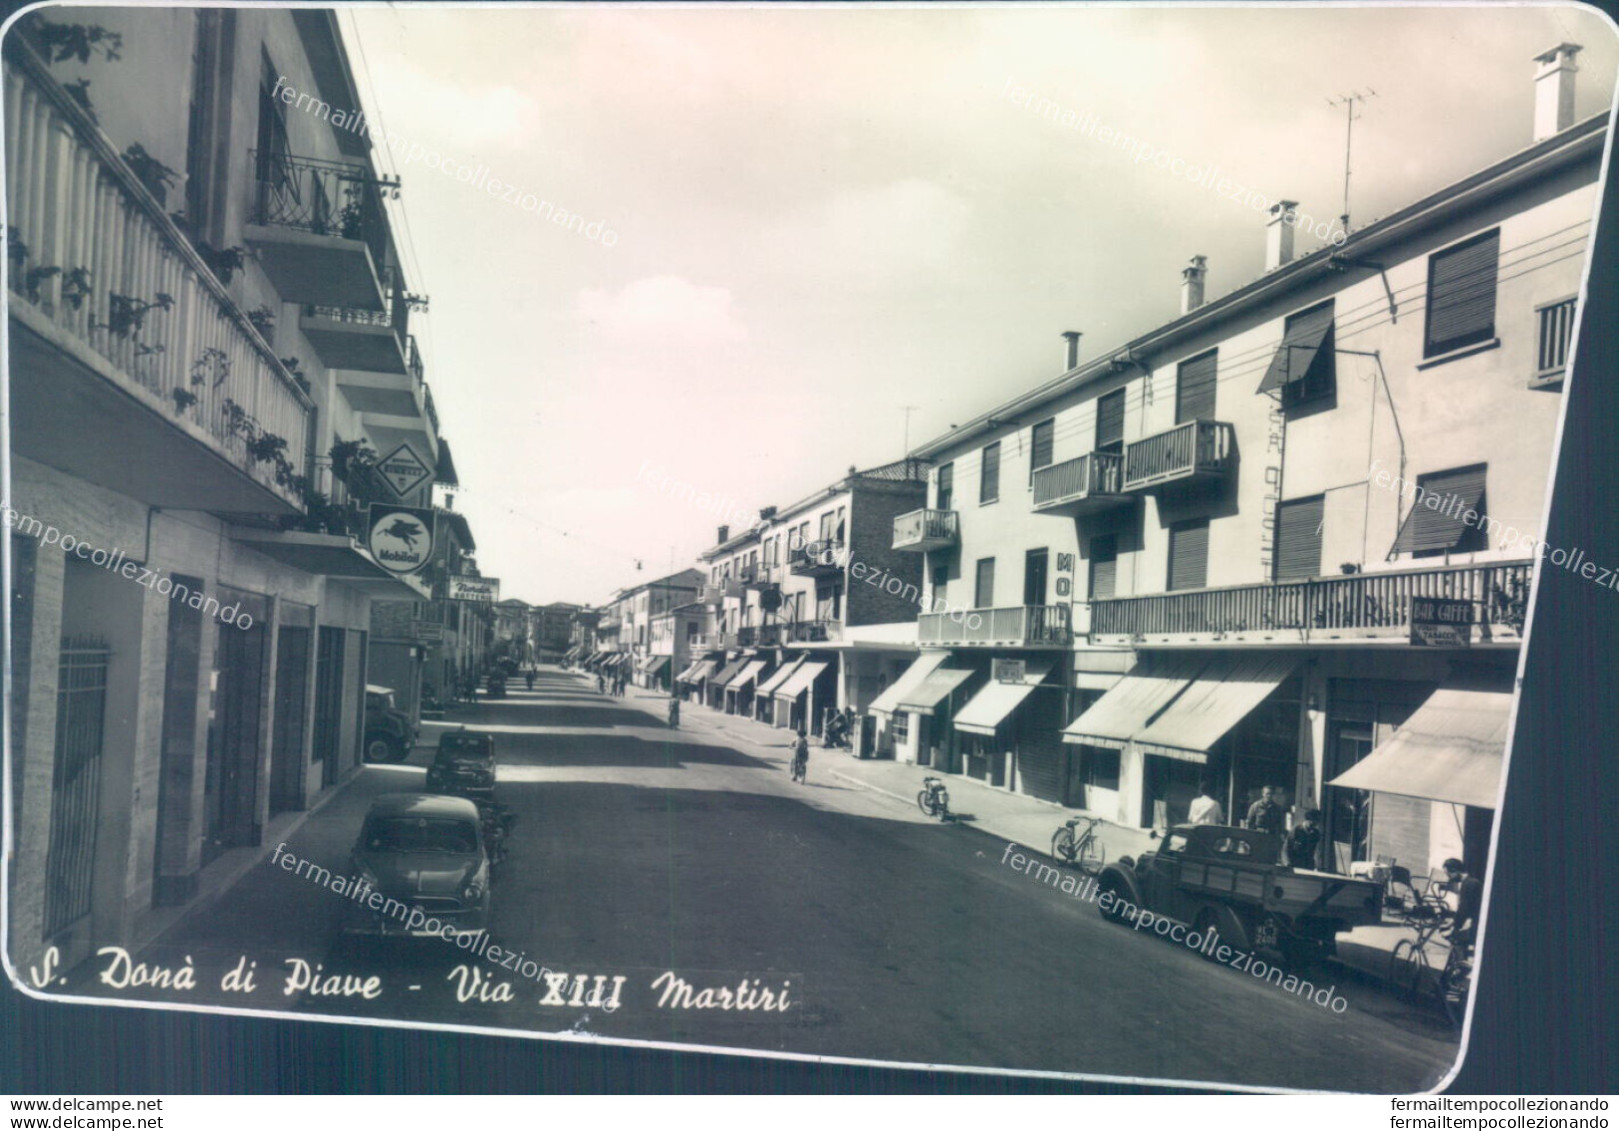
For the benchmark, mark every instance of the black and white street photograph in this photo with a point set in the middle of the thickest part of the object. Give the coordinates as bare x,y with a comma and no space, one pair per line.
998,538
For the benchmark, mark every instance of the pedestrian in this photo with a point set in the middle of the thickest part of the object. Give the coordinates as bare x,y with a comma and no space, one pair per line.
1469,899
601,684
1304,841
1205,810
800,756
674,713
528,677
1265,815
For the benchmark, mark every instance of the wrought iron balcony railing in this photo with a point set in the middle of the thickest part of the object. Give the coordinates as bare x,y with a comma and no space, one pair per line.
323,198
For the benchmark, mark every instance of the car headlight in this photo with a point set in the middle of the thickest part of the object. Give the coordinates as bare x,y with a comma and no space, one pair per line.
473,892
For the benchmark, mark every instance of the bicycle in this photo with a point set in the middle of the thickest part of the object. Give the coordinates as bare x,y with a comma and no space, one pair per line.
800,766
1412,973
1081,848
933,799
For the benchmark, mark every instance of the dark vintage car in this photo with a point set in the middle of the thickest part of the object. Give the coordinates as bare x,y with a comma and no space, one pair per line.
390,735
426,851
1228,878
495,686
464,765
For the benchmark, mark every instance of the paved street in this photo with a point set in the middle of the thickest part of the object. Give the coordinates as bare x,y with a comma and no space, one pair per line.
639,851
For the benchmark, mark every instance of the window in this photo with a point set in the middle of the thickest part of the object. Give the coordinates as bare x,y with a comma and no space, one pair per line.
1041,440
1104,566
1110,422
1298,538
1447,514
1194,388
841,527
1189,554
941,581
899,725
1461,295
945,495
1555,326
989,474
828,526
1101,767
1304,366
984,584
1034,577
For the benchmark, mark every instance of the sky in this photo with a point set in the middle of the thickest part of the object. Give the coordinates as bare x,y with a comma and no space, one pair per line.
820,216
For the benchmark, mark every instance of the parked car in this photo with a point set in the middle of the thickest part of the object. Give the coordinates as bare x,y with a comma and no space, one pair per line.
464,764
496,685
422,851
390,735
1228,878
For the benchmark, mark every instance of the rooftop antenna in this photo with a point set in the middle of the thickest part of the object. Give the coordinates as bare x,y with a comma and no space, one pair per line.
1348,101
908,409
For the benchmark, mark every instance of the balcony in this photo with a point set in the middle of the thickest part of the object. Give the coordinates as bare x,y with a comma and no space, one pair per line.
1024,626
757,576
712,595
818,559
924,530
131,366
812,632
1093,482
320,230
759,636
732,587
1362,607
374,341
1198,450
712,642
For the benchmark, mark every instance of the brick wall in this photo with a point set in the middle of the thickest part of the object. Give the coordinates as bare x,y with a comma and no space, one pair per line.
872,510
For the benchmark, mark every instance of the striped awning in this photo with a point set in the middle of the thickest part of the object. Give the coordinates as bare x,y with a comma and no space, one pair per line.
1224,694
921,667
1450,749
1134,702
781,676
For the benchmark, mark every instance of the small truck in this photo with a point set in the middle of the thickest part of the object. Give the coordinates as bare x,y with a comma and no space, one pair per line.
1228,878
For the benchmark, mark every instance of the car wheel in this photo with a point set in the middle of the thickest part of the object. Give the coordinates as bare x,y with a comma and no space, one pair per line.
1113,912
384,748
1206,921
1232,930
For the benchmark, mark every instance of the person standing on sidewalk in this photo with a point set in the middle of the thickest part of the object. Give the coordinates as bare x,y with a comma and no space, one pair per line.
1205,810
1265,815
800,767
674,713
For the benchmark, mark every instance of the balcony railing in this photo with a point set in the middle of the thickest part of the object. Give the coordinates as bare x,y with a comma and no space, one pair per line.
925,530
759,635
323,198
757,575
818,559
712,595
1091,482
96,258
1024,625
1362,606
812,632
1195,450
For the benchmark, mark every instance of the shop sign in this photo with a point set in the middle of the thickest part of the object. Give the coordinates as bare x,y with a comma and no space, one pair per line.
400,538
1441,622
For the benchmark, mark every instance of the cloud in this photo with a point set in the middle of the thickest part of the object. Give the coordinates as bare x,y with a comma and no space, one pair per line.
665,306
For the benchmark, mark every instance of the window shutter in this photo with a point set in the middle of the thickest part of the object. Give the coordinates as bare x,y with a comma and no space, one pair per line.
989,479
1298,539
1189,555
1104,567
1041,443
947,482
1461,294
984,591
1302,341
1110,419
1441,501
1194,388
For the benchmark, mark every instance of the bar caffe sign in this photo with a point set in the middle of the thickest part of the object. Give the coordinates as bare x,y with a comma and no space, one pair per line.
482,590
1441,622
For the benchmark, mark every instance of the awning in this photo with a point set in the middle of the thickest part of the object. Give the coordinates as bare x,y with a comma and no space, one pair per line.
782,674
996,701
933,690
700,671
685,672
729,671
921,667
653,664
747,675
1145,690
1220,698
800,680
1450,749
1302,344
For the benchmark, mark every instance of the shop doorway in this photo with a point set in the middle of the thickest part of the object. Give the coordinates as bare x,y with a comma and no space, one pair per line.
181,699
287,758
329,701
1348,812
234,746
81,711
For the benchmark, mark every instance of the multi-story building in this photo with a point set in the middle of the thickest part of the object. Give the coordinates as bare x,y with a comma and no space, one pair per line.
1284,539
208,344
640,607
553,626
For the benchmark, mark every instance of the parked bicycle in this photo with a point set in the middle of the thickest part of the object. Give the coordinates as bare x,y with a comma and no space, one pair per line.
1413,973
933,799
1076,843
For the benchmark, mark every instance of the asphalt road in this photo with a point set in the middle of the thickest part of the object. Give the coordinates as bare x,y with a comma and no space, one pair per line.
641,851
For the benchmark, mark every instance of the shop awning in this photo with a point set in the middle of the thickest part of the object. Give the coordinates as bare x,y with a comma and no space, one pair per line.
700,671
1450,749
996,701
1218,699
747,675
781,676
685,672
921,667
653,664
800,681
933,690
1145,690
729,671
1307,338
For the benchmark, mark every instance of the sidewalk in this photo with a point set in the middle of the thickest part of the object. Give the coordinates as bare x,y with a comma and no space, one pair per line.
1018,818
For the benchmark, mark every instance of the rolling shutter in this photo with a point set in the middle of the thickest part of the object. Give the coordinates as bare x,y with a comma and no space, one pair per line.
1189,555
1302,341
984,588
1104,567
989,477
947,483
1110,421
1461,294
1298,539
1442,500
1194,388
1041,444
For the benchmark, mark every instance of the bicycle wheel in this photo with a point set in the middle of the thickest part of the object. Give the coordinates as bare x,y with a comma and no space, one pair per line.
1091,856
1406,965
924,802
1455,984
1062,845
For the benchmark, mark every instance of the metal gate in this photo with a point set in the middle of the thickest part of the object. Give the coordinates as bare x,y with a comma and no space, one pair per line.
81,709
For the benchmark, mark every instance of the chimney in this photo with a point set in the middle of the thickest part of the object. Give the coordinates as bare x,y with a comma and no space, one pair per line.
766,514
1279,234
1554,90
1072,338
725,532
1192,283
